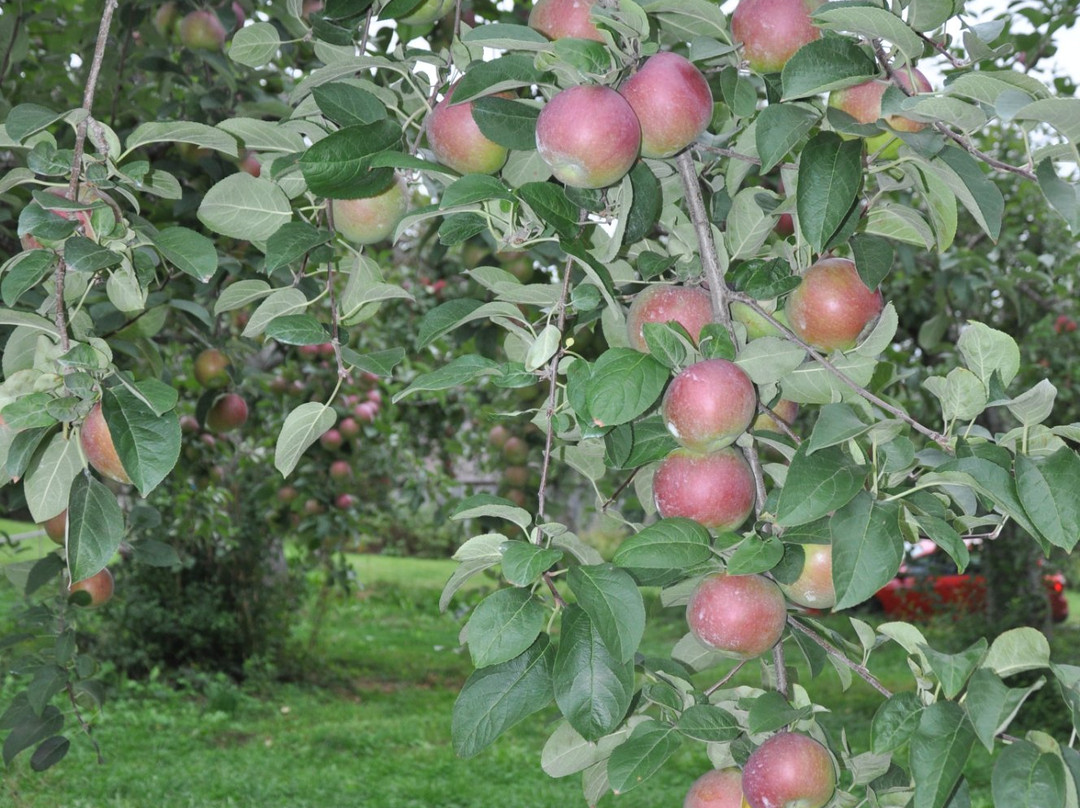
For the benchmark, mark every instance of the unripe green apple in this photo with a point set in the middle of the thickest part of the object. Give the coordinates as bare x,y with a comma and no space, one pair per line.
97,445
564,19
717,788
742,615
228,412
428,12
813,588
202,30
716,489
210,368
709,404
672,101
770,31
689,306
831,306
757,325
165,18
99,587
457,141
789,770
588,135
785,410
371,219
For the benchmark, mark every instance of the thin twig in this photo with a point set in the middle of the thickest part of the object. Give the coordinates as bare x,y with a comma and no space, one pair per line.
730,675
734,155
553,389
944,51
750,452
622,487
781,670
86,728
839,655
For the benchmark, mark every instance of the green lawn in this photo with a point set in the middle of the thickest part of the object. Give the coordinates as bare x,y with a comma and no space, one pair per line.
367,725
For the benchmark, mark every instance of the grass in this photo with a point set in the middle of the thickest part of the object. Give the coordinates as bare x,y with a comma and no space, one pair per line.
369,723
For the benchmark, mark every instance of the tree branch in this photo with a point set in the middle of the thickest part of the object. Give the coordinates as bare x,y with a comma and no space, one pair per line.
839,655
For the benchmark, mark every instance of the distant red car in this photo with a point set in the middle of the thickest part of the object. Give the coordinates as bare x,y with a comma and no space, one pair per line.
928,582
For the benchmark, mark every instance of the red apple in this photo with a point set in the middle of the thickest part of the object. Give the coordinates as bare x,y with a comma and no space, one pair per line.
770,31
189,424
97,445
588,135
312,507
498,436
516,476
210,368
372,219
863,101
340,470
563,19
742,615
709,404
689,306
331,440
366,411
789,770
349,428
344,501
814,586
202,30
715,489
672,101
228,412
249,163
56,528
287,494
98,586
718,788
832,305
457,141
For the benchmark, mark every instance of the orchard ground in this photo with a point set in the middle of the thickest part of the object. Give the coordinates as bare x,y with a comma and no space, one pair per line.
364,719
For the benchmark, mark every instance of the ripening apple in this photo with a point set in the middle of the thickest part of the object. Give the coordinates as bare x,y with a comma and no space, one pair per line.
515,451
863,101
564,19
331,440
716,489
757,325
428,12
82,218
456,139
349,427
717,788
164,20
672,101
742,615
709,404
99,588
97,445
588,135
789,770
366,411
832,305
228,412
783,410
210,368
770,31
498,436
374,218
814,586
689,306
516,476
202,30
344,501
56,528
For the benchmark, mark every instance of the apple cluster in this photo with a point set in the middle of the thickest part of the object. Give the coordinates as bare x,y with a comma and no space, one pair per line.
513,451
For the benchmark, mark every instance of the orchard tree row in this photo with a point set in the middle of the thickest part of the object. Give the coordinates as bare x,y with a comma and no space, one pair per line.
717,200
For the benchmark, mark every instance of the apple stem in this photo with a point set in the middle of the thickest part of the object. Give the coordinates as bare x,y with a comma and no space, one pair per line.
837,654
622,487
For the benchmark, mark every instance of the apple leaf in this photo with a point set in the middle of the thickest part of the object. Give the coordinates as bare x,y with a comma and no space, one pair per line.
830,63
641,756
291,242
830,174
817,484
504,625
954,670
239,294
460,371
1018,650
524,562
190,252
48,482
496,75
623,385
339,165
991,705
95,527
637,443
1025,774
85,255
297,329
964,176
23,272
669,544
509,123
872,23
645,206
147,442
49,752
614,605
836,424
867,548
303,426
779,129
245,207
348,105
255,44
709,723
506,37
198,134
1047,490
894,722
939,748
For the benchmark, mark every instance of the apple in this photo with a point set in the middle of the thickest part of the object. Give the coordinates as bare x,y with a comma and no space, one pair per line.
832,305
689,306
516,476
518,497
97,445
789,770
564,19
783,410
340,470
84,227
498,436
770,31
757,325
588,135
56,528
715,489
718,788
249,163
312,507
515,451
457,141
98,586
228,412
210,368
672,101
202,30
372,219
709,404
428,12
344,501
331,440
189,424
785,225
287,494
863,101
813,588
742,615
366,411
164,19
349,427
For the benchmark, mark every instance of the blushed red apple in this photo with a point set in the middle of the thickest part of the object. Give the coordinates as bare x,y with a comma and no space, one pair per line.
371,219
202,30
97,444
210,368
789,770
99,587
814,586
563,19
672,101
770,31
716,489
228,412
56,528
709,404
742,615
456,139
689,306
832,305
717,788
863,101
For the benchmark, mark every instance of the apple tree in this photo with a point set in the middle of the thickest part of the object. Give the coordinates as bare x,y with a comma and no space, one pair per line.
776,164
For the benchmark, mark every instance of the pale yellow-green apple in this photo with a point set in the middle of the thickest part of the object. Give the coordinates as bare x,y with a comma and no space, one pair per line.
456,140
371,219
741,615
428,12
783,410
99,588
672,101
789,770
516,476
757,325
715,489
228,412
97,445
709,404
717,788
564,19
56,528
832,305
863,103
498,436
164,19
689,306
588,135
210,368
515,451
813,588
202,30
770,31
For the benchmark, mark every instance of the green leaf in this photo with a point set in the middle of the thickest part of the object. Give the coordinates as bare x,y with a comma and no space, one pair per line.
550,203
240,294
1018,650
593,688
1047,490
770,711
504,73
49,752
954,670
509,123
1061,195
495,698
1034,405
279,303
506,36
873,258
836,424
147,442
381,363
199,134
939,749
963,174
348,105
779,129
641,756
825,64
245,207
25,271
523,562
95,527
25,119
867,548
623,385
297,329
291,242
48,481
460,227
339,165
895,722
188,251
503,626
991,705
303,426
756,554
614,605
830,175
461,370
31,729
479,505
254,45
988,479
669,544
473,188
817,484
646,204
986,350
709,723
635,444
84,255
1025,775
872,23
28,412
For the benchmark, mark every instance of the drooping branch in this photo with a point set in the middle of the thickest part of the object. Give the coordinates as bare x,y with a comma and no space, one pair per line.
841,657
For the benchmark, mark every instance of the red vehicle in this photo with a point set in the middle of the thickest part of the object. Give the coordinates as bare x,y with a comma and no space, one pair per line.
928,582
